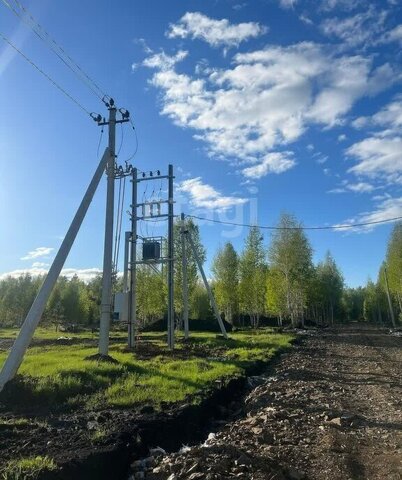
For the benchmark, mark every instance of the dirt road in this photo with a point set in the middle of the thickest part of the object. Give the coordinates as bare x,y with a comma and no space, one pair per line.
332,409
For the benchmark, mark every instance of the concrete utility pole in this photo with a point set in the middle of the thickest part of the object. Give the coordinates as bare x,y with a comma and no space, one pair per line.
391,309
132,311
25,335
106,301
204,278
170,260
184,277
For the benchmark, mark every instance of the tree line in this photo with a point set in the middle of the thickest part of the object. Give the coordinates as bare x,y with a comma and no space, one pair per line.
279,282
382,300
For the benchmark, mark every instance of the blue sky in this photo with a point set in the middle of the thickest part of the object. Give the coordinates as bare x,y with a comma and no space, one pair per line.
262,106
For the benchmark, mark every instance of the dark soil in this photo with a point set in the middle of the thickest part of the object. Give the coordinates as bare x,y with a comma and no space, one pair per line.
331,410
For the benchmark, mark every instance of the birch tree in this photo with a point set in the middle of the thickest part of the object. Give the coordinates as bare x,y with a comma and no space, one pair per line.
290,254
225,268
252,272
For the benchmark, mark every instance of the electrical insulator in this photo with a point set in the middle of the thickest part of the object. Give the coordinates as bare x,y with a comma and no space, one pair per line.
158,205
151,211
143,209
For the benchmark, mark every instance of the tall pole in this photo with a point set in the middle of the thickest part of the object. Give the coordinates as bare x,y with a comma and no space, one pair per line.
132,311
106,301
184,277
25,335
170,261
391,310
209,291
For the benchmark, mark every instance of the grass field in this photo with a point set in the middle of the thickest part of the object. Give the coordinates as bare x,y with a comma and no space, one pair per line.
61,374
42,333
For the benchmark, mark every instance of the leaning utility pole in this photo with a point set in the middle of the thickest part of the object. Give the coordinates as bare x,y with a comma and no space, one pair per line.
391,310
34,315
214,306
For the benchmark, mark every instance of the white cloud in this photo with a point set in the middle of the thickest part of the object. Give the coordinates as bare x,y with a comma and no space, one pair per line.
215,32
379,155
203,195
287,3
37,253
378,158
386,209
267,99
340,4
363,28
163,61
84,274
359,187
275,162
394,35
342,137
40,265
391,115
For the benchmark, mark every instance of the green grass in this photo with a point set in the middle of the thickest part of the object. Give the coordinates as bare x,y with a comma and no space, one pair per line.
27,468
49,333
58,375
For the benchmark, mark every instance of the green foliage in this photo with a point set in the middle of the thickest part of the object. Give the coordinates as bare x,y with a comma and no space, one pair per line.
71,302
151,295
394,260
200,307
252,274
225,268
27,468
329,288
290,256
353,304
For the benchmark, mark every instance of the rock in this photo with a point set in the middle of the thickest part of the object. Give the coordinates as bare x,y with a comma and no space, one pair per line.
335,421
157,452
196,475
193,468
172,477
92,425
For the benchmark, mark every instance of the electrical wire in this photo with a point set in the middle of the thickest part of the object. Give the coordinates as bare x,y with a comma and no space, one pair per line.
117,226
121,139
99,143
325,227
57,49
45,74
136,143
120,222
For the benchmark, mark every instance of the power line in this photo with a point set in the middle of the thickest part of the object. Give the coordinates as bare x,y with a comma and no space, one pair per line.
325,227
59,51
45,74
